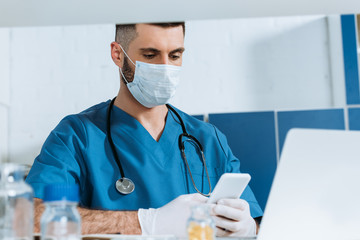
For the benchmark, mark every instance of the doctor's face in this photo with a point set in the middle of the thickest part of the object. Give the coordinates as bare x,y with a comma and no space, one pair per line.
156,45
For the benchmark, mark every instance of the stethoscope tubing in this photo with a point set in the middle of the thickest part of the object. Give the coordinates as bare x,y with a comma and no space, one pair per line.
180,143
112,145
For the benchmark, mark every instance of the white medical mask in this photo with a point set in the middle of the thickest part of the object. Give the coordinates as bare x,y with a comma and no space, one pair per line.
153,84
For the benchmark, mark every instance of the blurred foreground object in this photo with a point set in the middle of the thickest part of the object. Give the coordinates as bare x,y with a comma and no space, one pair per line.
200,224
16,203
61,219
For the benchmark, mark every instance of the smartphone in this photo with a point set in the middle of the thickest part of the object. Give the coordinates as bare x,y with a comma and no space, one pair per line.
230,185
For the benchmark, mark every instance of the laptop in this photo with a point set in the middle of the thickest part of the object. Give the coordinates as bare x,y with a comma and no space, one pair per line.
316,189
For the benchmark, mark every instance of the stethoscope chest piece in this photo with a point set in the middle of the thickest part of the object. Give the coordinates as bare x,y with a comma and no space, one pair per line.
125,186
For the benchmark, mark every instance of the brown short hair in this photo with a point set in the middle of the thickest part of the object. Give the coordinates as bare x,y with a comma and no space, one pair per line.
125,33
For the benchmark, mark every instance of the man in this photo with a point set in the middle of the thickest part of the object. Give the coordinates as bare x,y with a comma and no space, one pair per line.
145,134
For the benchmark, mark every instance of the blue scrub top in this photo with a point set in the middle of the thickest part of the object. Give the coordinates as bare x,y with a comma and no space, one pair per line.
77,151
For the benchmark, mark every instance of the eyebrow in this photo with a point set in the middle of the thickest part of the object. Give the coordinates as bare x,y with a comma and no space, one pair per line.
180,50
150,50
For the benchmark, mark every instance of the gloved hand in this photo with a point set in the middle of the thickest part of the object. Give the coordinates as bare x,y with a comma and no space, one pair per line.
232,218
170,218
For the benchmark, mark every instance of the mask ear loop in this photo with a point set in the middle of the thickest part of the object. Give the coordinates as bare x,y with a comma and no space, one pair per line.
122,74
127,55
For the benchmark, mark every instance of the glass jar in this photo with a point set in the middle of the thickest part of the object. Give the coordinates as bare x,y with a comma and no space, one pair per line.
200,224
61,219
16,204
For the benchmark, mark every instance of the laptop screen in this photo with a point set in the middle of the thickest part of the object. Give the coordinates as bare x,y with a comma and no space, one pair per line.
316,189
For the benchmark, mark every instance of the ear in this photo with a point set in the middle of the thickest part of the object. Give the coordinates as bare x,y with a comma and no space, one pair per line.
117,54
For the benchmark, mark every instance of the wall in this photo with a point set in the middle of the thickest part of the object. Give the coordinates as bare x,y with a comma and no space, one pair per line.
55,71
229,66
257,138
4,90
258,64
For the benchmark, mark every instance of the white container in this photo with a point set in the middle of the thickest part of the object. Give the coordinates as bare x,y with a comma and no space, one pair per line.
16,204
61,219
200,224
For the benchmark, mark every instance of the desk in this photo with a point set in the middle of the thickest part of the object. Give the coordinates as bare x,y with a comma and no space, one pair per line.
140,237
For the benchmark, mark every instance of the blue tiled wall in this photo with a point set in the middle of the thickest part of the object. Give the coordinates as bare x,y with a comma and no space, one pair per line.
324,119
251,137
354,118
350,59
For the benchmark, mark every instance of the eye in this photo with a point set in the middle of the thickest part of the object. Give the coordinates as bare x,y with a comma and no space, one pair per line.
175,57
149,56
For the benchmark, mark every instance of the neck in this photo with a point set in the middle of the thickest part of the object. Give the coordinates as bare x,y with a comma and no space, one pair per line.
152,119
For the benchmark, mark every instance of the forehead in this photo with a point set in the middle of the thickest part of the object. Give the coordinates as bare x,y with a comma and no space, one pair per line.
152,36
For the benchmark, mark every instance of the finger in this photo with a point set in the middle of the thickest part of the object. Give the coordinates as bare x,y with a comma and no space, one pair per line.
198,197
232,226
229,212
222,232
235,203
211,208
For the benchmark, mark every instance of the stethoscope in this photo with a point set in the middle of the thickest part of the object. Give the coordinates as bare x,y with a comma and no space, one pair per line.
126,185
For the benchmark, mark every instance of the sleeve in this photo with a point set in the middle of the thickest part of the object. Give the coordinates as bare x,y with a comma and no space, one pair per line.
233,166
58,161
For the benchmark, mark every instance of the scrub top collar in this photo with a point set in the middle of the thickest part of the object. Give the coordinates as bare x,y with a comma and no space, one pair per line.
132,127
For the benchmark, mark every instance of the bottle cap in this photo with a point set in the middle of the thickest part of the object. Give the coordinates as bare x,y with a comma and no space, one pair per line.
61,192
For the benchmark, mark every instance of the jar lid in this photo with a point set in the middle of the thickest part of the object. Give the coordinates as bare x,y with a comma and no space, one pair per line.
61,192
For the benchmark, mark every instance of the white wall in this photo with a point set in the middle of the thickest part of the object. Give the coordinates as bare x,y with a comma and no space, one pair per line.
4,91
256,64
55,71
3,134
229,66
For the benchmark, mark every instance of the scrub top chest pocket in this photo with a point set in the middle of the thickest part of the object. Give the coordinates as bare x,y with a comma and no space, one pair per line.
196,171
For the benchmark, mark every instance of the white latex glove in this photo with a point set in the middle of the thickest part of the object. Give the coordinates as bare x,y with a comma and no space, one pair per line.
232,218
170,218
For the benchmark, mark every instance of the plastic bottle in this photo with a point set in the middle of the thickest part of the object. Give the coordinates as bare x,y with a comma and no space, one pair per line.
16,204
200,224
61,220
